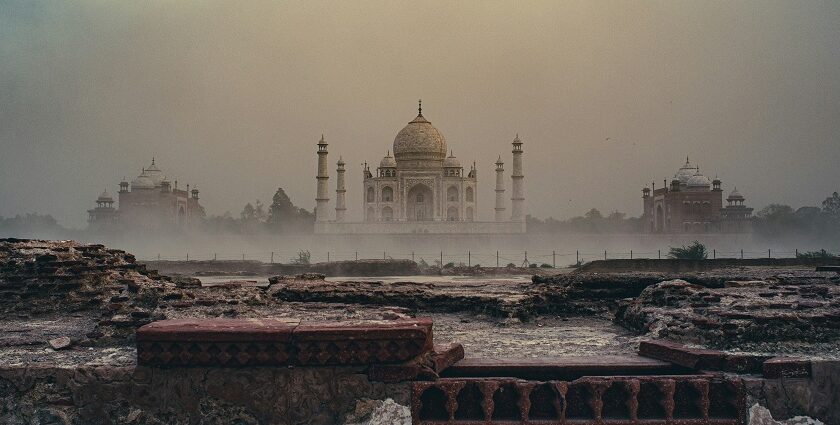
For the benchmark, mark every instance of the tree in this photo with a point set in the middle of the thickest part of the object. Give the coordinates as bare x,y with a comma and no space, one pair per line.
831,205
247,213
281,208
593,214
284,216
775,212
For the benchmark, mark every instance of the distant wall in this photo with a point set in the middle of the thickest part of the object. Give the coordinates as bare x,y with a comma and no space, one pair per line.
334,268
675,265
420,227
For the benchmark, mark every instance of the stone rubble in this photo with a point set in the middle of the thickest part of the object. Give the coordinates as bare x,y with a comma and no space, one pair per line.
759,415
379,412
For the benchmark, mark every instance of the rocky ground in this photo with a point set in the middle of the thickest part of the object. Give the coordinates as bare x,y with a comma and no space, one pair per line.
79,304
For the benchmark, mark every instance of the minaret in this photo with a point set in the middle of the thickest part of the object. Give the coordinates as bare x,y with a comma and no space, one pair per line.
340,207
518,199
322,199
500,190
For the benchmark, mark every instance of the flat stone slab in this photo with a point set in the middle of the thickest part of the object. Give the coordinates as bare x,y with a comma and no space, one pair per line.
787,367
693,358
560,368
701,358
218,330
279,342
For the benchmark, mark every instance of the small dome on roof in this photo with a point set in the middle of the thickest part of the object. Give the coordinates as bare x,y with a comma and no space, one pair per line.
698,180
451,161
685,172
155,174
735,194
388,161
142,181
105,197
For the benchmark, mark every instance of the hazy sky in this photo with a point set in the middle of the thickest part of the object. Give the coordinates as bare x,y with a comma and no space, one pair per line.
233,96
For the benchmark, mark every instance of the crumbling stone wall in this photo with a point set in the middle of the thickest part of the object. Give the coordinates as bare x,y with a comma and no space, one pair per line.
139,395
745,312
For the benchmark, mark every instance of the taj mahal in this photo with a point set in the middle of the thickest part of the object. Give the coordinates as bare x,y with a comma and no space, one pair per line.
422,188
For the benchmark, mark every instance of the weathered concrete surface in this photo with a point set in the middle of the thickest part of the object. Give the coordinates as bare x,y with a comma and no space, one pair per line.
119,395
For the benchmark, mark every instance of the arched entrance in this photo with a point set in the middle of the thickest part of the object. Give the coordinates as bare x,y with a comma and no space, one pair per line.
452,214
659,221
420,203
181,215
387,214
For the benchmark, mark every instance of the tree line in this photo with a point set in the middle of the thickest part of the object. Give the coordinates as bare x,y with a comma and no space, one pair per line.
281,216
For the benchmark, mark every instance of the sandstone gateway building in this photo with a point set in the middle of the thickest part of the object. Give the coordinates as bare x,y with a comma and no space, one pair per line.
149,202
693,203
422,188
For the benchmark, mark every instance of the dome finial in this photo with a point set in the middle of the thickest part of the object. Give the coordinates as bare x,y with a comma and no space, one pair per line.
420,107
153,160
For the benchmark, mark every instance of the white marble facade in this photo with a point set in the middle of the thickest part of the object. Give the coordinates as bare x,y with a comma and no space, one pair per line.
420,189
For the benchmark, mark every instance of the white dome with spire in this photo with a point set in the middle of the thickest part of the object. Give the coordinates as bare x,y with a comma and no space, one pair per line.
686,172
388,161
105,197
419,140
155,174
451,161
142,181
699,180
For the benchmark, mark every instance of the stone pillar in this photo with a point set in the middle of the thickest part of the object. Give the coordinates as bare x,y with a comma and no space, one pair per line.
500,190
322,197
518,199
340,207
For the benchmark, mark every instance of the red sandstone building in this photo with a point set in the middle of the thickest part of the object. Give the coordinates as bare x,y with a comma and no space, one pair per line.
149,201
693,203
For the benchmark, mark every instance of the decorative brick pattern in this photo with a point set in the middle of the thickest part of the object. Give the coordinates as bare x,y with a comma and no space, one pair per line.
267,342
652,400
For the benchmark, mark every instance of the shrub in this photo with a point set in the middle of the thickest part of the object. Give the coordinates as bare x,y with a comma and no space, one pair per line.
695,251
532,265
511,266
821,254
546,266
303,258
449,265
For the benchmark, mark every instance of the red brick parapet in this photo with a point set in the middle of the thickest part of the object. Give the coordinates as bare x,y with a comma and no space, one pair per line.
615,400
281,342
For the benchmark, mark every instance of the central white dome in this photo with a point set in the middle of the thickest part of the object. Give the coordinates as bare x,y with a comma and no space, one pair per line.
419,140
